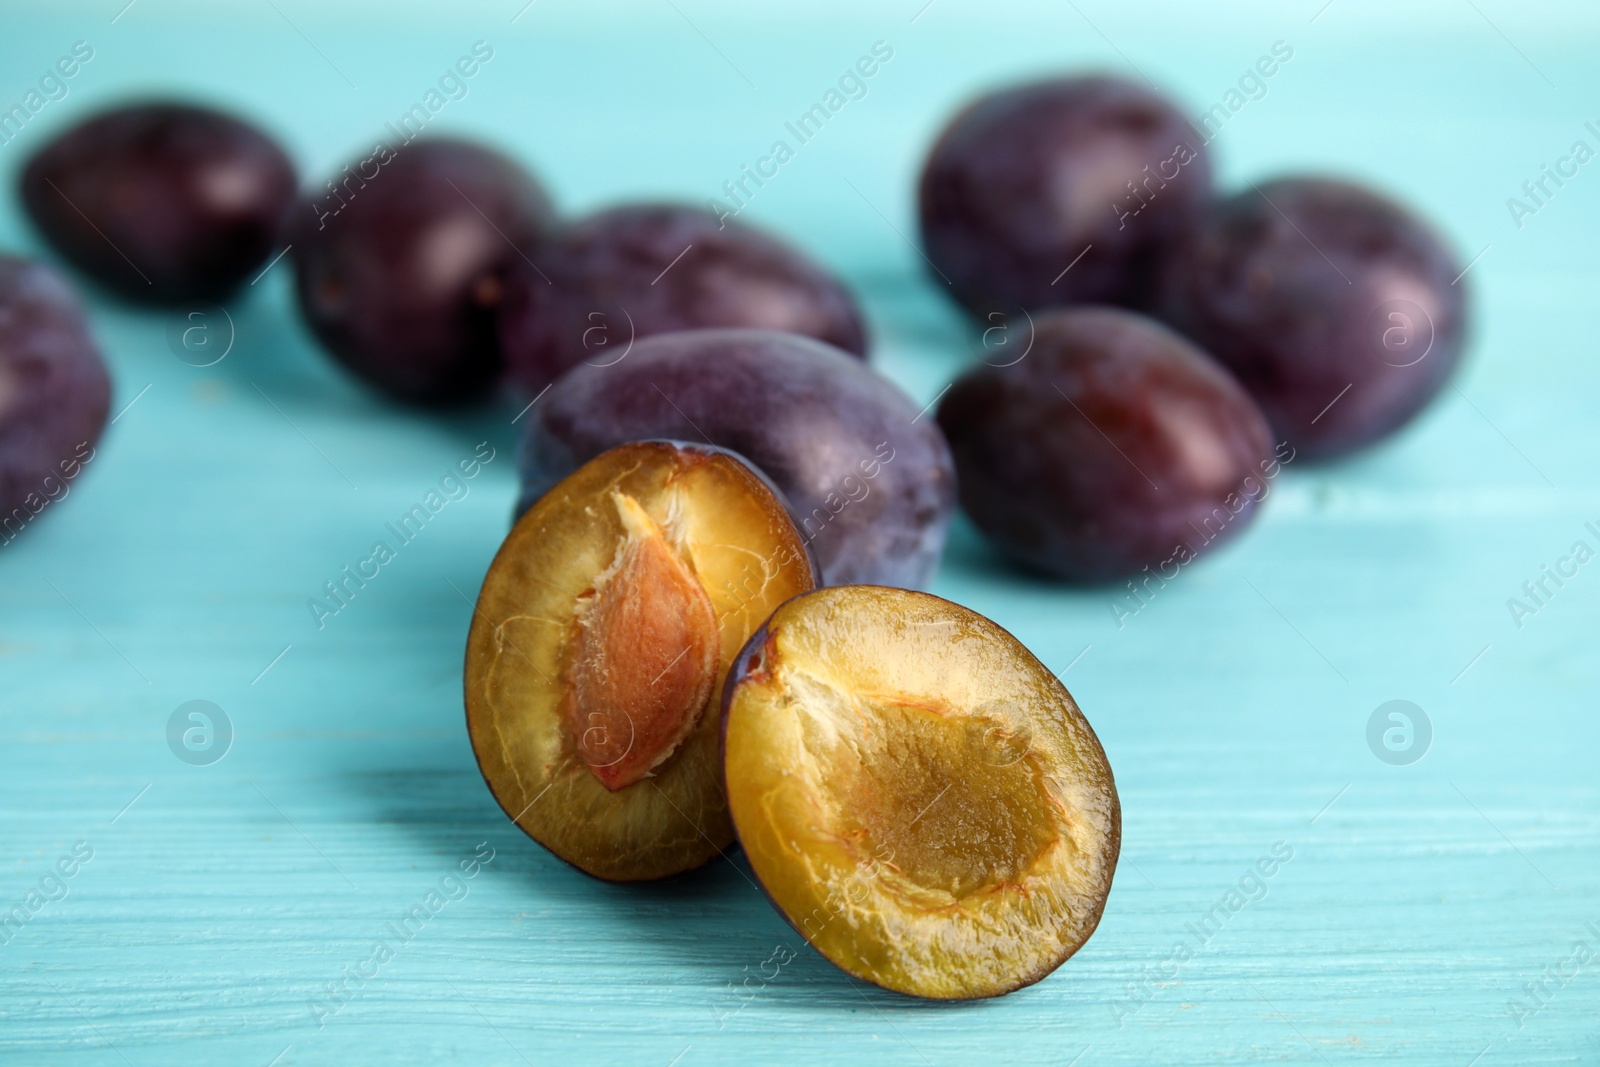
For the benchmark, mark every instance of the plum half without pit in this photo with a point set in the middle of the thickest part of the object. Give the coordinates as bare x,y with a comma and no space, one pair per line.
920,797
601,638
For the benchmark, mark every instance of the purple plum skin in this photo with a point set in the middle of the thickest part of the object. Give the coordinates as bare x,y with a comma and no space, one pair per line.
1023,181
1114,445
638,270
870,484
161,203
54,391
402,268
1338,309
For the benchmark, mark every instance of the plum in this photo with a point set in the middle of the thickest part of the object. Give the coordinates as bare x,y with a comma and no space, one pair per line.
1060,192
1115,445
160,202
871,481
919,796
602,635
1338,309
402,266
645,269
54,392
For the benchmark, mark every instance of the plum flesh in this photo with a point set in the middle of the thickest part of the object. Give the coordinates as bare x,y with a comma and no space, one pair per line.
870,482
644,269
601,638
161,202
918,795
402,265
1114,445
54,392
1059,192
1340,311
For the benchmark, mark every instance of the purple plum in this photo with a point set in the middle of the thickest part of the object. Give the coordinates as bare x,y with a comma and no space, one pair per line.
870,482
644,269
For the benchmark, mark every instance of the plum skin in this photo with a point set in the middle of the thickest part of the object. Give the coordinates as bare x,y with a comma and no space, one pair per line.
872,486
194,198
400,271
1024,180
1341,311
642,269
1114,445
55,391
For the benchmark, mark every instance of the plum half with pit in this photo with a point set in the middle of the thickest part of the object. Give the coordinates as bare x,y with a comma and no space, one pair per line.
1341,311
161,202
402,263
643,269
1113,446
920,797
869,478
54,392
599,645
1060,192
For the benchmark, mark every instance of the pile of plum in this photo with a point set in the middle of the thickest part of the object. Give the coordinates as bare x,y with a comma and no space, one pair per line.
705,626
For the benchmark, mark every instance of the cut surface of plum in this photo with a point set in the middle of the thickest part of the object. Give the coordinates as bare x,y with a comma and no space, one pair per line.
602,635
920,796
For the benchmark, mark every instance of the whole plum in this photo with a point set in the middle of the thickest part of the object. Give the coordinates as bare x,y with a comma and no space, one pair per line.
1060,192
401,266
644,269
161,202
870,482
54,392
1114,446
1337,308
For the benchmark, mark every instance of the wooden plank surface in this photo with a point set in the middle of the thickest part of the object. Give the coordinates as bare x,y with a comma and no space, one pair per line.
233,912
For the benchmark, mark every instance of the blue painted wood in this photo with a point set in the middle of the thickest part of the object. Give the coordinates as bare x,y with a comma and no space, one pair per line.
1422,904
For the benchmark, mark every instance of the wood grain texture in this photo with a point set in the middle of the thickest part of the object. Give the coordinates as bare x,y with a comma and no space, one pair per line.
222,901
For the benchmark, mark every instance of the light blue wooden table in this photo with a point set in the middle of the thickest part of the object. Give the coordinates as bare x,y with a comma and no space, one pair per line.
232,912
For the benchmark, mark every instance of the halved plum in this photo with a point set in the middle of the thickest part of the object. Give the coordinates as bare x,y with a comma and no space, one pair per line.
920,797
602,634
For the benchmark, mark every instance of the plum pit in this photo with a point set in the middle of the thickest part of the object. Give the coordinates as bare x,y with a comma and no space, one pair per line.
644,658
